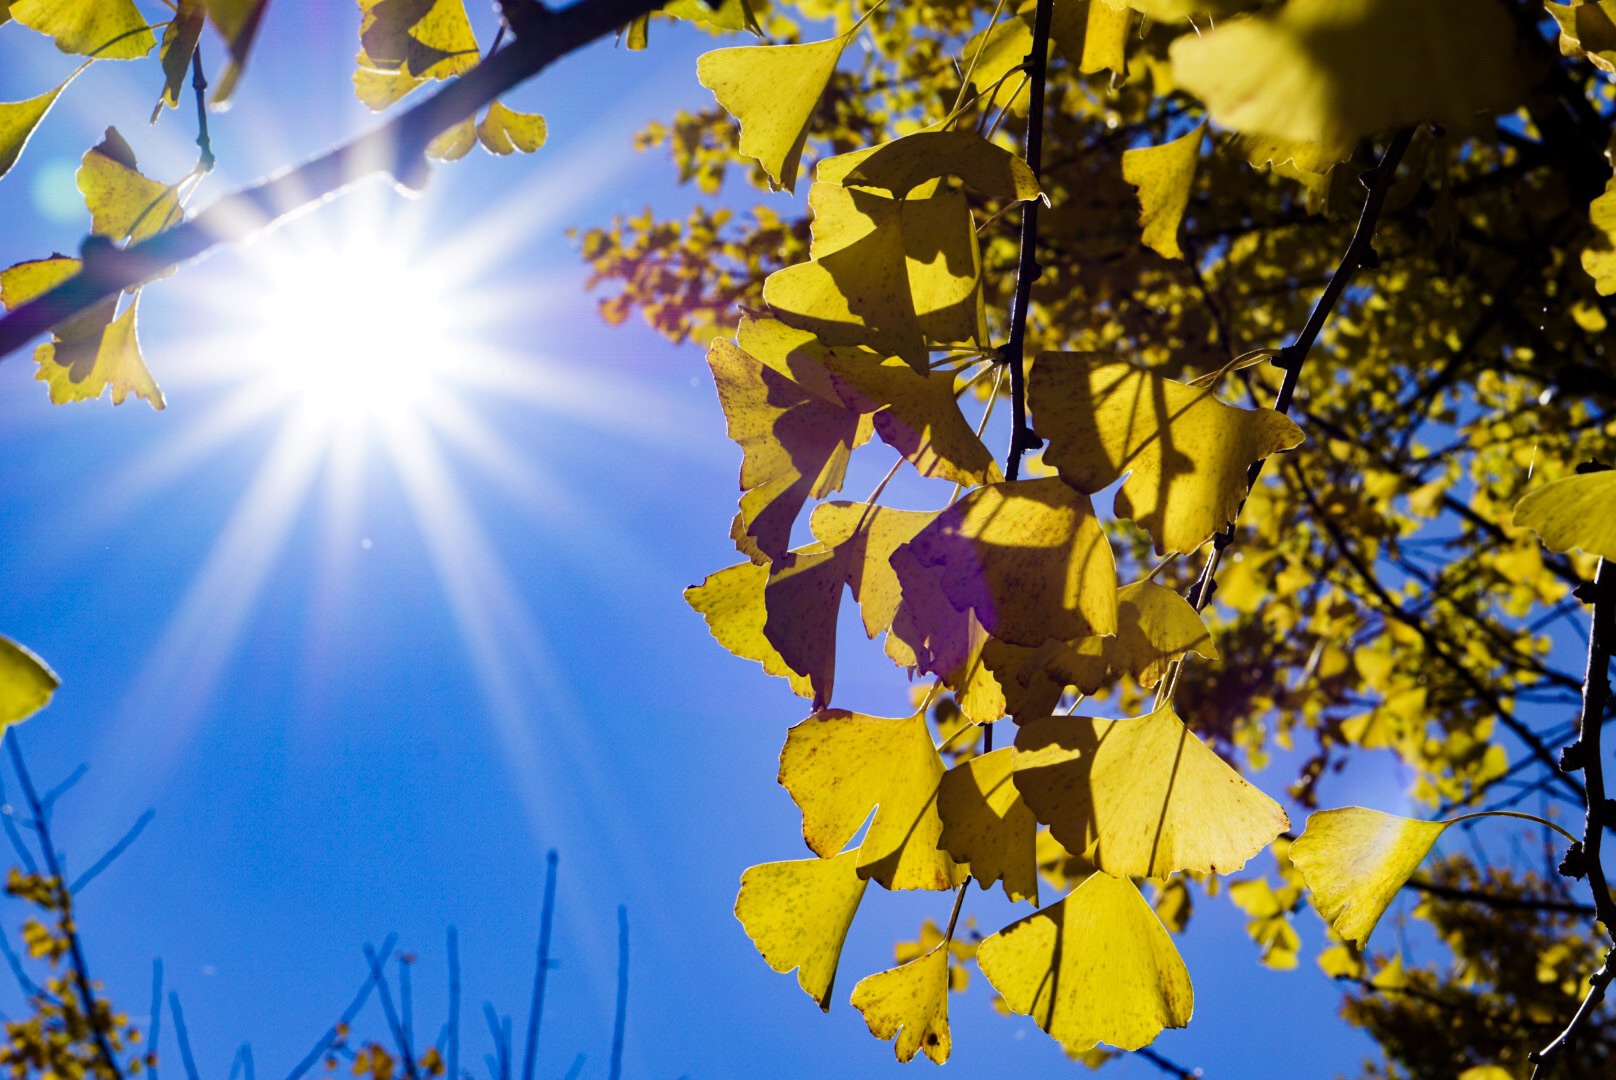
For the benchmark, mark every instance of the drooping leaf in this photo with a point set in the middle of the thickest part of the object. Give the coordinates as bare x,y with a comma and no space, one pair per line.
1354,861
918,416
870,534
839,765
26,683
1164,176
425,39
910,1003
1029,557
1588,28
797,914
803,599
237,21
122,202
904,164
1095,967
731,600
179,43
795,446
504,131
725,15
1187,452
18,119
1142,797
772,91
987,823
104,29
1573,512
1155,626
80,367
1105,39
1331,71
453,142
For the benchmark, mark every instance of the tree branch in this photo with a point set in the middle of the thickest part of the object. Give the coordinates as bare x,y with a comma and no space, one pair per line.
397,148
1013,352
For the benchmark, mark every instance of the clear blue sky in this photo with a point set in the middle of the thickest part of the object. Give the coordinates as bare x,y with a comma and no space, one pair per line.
367,684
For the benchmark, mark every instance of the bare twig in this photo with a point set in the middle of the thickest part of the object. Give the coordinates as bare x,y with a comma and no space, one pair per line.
536,1010
1013,352
620,1024
379,975
183,1036
334,1032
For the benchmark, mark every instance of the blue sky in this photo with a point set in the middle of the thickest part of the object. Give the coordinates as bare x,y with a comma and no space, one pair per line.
367,682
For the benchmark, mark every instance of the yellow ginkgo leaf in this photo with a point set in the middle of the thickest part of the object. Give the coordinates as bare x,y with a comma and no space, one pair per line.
1331,71
379,89
911,1003
1155,626
797,914
237,22
26,683
1187,452
425,39
1342,961
81,368
1308,157
873,533
453,142
987,824
1486,1072
1142,797
1574,512
179,43
1354,861
18,119
772,91
1270,925
731,600
1105,39
504,131
1169,11
1029,557
122,202
802,601
26,280
1164,176
918,416
839,765
1588,28
1095,967
795,446
104,29
904,164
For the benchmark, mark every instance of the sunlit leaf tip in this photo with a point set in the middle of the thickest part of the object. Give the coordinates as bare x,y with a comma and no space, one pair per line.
26,683
1164,176
1355,860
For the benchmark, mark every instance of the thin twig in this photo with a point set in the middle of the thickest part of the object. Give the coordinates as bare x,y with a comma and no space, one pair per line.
454,1004
1013,352
182,1035
536,1010
155,1033
112,853
335,1031
620,1024
199,84
379,975
97,1017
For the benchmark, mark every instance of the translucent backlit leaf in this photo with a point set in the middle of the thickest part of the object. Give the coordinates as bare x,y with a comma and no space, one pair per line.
1164,176
904,164
18,119
797,914
1095,967
104,29
122,202
453,142
731,600
839,765
81,368
1270,925
987,824
1187,452
1574,512
237,21
1029,557
1155,626
795,445
802,600
869,535
772,91
425,39
1354,861
1588,28
504,131
1142,797
179,42
1105,40
1331,71
911,1004
918,416
26,280
26,683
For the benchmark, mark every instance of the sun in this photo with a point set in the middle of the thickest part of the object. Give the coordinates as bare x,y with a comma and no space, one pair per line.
353,333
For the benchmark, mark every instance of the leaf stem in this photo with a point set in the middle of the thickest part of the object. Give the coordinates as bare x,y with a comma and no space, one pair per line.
1514,814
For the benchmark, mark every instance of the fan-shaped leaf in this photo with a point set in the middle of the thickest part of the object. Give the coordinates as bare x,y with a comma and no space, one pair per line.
797,914
26,683
1164,176
986,823
1354,860
911,1004
1574,512
104,29
772,91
